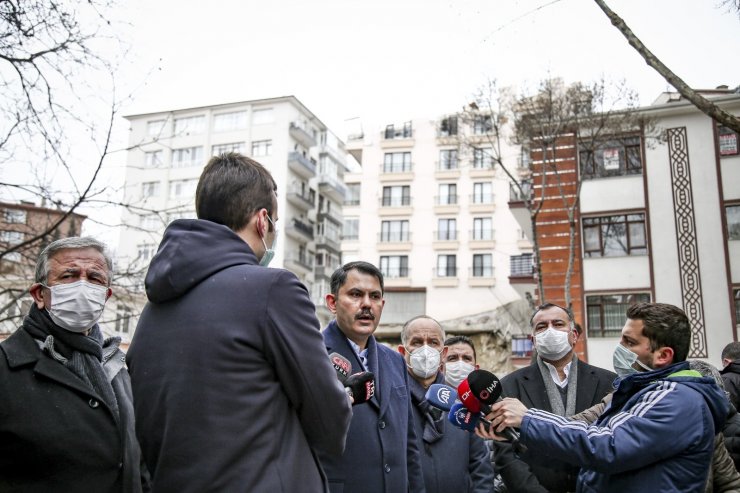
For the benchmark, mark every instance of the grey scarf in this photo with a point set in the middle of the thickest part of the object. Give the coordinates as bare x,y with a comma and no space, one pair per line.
553,394
83,355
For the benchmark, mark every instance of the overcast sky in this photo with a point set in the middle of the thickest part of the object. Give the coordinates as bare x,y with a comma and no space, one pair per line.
392,60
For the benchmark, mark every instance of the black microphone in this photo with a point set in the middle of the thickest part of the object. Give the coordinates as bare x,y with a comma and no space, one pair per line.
341,365
486,387
360,386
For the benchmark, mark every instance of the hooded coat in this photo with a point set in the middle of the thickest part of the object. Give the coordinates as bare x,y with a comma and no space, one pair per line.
656,436
233,389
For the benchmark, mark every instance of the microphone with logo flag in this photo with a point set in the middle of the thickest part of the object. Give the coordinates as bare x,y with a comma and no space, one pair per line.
485,388
341,365
463,418
360,386
441,396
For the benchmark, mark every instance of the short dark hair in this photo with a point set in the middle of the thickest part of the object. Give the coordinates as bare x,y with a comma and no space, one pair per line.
665,325
731,351
232,188
452,340
547,305
339,277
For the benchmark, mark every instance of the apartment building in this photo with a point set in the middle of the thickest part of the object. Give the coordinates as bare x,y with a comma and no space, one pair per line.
19,223
168,152
429,208
658,220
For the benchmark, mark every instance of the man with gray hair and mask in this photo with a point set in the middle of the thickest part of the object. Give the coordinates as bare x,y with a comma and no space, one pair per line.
558,382
67,417
451,459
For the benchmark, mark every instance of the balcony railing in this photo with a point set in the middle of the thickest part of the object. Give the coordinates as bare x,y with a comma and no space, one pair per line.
301,165
394,236
395,272
388,168
402,132
306,261
447,165
516,196
481,271
445,235
301,227
481,234
445,200
444,271
481,198
395,201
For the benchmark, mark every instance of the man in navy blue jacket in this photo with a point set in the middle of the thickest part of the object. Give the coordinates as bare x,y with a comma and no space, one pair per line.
451,459
232,387
382,454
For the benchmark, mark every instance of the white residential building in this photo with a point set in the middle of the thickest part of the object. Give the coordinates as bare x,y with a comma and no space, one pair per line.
430,209
169,150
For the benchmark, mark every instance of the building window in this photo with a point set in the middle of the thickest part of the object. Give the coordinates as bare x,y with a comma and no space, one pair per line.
483,265
394,266
398,132
615,157
173,216
397,162
182,188
614,236
521,346
607,313
447,159
155,128
728,141
732,213
482,158
397,196
150,222
123,319
190,125
483,228
521,265
187,156
11,237
447,194
353,194
351,230
234,120
146,251
14,216
446,229
394,231
154,159
482,193
150,189
448,126
261,117
482,124
446,265
219,149
261,148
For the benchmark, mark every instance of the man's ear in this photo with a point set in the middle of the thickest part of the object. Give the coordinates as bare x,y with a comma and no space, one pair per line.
331,303
108,294
401,349
37,296
663,357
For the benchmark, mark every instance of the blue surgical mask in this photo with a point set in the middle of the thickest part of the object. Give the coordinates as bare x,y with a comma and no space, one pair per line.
269,252
624,359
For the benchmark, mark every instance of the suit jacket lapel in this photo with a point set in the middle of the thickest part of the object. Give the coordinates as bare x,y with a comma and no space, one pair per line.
587,386
533,387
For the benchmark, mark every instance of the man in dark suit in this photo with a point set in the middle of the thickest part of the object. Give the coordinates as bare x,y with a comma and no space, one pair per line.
382,454
452,459
558,382
232,388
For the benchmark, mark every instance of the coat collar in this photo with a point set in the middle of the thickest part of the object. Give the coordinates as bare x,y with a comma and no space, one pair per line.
21,349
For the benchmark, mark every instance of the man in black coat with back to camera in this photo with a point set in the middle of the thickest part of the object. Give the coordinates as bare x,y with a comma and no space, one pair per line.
233,389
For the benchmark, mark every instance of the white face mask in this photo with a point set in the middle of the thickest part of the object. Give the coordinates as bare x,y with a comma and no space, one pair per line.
624,361
77,306
456,372
552,344
424,361
269,252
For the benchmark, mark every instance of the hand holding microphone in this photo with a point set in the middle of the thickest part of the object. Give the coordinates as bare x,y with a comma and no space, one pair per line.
360,387
481,390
